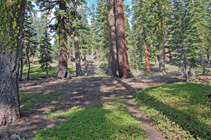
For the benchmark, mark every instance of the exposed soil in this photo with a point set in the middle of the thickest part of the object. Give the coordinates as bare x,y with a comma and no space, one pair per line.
84,92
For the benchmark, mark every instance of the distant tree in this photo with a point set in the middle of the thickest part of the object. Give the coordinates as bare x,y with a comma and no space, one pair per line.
94,33
102,28
11,25
29,41
45,50
184,37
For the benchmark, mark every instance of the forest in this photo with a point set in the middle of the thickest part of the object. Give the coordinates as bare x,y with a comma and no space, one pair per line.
105,69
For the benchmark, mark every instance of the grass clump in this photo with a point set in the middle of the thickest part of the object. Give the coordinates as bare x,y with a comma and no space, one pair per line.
97,122
181,110
32,99
37,72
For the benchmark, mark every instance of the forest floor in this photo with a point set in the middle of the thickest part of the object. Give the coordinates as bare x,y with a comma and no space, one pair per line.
58,95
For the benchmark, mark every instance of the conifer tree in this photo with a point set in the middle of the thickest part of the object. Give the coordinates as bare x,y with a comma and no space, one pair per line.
183,37
45,50
29,41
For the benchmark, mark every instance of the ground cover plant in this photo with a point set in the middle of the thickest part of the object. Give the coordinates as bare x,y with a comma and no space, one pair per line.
37,72
33,99
108,121
181,110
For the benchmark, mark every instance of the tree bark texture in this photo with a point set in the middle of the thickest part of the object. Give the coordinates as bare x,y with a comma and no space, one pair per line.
77,54
63,58
97,54
112,37
147,62
124,67
10,47
162,51
21,68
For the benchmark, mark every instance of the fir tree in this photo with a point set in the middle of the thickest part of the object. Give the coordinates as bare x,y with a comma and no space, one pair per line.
183,37
45,51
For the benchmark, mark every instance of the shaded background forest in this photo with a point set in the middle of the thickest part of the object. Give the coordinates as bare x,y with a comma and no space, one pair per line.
176,32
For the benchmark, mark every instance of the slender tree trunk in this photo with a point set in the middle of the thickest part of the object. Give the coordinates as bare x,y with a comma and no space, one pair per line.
29,67
77,54
21,68
124,67
47,70
208,56
97,54
162,52
112,36
9,59
63,58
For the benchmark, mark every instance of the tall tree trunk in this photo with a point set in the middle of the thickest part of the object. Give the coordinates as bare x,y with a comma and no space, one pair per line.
112,36
21,68
29,66
77,54
10,49
124,67
208,56
97,54
147,62
162,51
63,58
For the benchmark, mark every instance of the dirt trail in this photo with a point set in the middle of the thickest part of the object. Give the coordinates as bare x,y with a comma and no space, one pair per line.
84,92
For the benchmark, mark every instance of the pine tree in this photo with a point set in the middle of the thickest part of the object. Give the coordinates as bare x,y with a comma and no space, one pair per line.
93,33
102,27
45,50
183,37
29,41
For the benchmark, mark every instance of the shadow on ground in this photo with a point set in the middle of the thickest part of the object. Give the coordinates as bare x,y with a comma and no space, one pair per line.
60,95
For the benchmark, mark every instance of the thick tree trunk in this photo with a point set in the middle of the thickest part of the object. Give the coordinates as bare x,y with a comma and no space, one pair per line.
124,67
63,58
10,44
77,54
113,45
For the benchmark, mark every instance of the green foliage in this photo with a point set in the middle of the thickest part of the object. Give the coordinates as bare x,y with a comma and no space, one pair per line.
184,37
102,26
37,72
45,51
107,121
32,99
181,108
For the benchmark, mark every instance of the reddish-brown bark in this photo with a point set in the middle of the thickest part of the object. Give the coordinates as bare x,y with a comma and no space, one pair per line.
124,67
112,39
147,62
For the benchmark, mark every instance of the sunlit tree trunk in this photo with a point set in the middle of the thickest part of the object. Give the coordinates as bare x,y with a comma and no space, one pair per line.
147,62
10,44
63,58
124,67
112,36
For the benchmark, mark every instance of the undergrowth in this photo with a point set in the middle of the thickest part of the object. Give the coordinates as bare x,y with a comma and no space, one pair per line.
33,99
181,110
107,121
